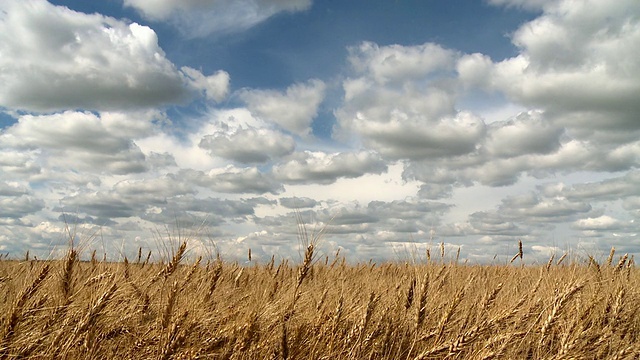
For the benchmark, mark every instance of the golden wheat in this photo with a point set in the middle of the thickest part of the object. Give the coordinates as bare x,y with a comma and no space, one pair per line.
317,310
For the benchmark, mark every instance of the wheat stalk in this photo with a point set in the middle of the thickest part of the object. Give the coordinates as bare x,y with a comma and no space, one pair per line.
610,257
23,297
172,266
558,306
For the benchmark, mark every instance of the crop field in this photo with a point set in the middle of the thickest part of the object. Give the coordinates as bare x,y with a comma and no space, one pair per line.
317,308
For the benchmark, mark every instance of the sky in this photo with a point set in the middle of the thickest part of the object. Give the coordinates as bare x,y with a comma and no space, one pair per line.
385,127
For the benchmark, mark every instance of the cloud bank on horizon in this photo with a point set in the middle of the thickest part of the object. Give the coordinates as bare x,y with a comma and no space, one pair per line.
116,121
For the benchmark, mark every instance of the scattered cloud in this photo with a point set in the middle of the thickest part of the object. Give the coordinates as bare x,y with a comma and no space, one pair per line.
232,179
610,189
577,61
397,63
527,133
18,206
603,222
215,87
249,145
80,141
526,4
101,128
293,110
196,18
53,58
298,203
318,167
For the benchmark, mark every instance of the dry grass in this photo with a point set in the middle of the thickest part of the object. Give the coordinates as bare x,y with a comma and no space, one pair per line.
70,309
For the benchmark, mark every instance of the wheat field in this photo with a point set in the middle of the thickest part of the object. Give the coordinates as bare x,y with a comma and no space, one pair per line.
318,308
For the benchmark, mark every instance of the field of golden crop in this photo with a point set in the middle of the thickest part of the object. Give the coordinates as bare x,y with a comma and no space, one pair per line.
319,308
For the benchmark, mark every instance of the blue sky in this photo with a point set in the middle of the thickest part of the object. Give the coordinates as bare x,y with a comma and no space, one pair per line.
394,125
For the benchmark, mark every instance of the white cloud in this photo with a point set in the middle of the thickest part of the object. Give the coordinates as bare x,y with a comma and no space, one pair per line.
248,145
386,186
615,188
231,179
527,133
214,86
415,137
198,18
63,181
293,110
546,250
402,104
12,189
18,206
435,191
18,163
492,223
577,57
410,125
632,205
397,63
606,225
323,168
79,141
541,210
526,4
53,58
474,69
125,199
578,66
580,86
298,202
603,222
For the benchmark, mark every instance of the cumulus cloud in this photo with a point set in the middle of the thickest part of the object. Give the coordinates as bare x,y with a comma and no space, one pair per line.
214,86
298,202
474,69
18,206
527,133
12,189
152,190
577,60
615,188
403,136
197,18
19,164
526,216
632,205
248,145
35,237
293,110
603,222
435,191
402,103
526,4
65,180
397,63
384,222
232,179
491,223
127,198
164,200
53,58
193,212
78,141
532,208
575,71
124,163
324,168
362,230
407,209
